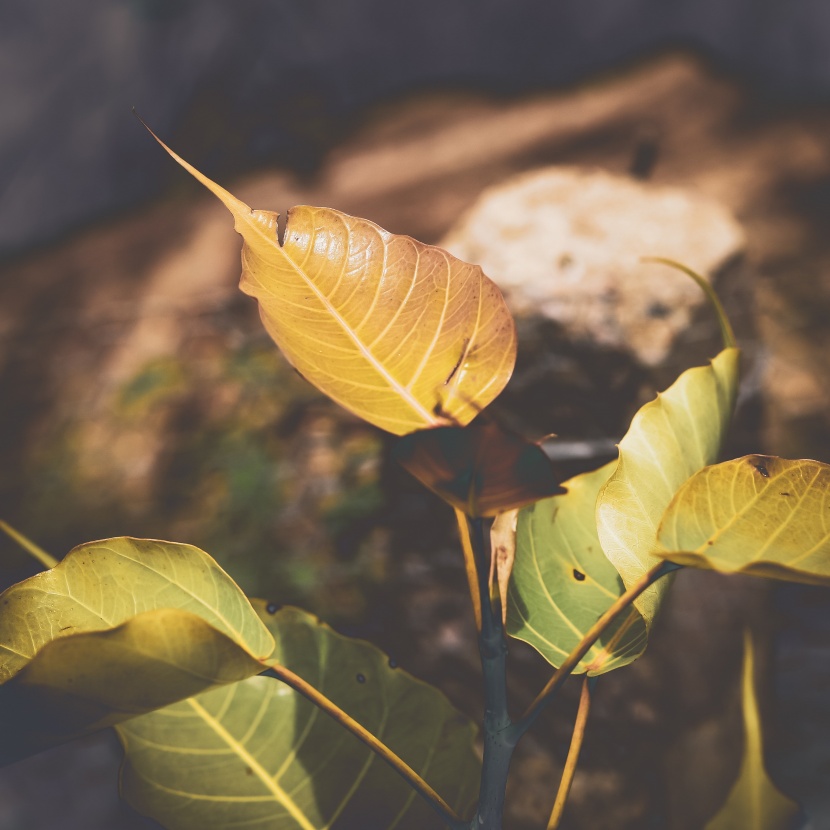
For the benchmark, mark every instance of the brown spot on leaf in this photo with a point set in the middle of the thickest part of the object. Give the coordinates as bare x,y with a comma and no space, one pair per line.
459,361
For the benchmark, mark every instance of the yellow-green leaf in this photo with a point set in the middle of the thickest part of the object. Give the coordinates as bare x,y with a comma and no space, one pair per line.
759,514
670,439
562,582
402,334
259,755
754,802
84,682
117,628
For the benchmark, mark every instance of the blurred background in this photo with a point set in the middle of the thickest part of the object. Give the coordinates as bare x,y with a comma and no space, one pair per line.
553,142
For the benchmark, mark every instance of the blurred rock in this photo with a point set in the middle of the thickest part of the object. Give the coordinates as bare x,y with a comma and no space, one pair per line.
270,81
566,245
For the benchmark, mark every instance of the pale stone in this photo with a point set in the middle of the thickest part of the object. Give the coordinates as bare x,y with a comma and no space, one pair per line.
567,244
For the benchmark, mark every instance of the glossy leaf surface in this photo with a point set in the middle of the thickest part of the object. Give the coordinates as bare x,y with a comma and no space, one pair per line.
562,581
257,754
754,802
760,515
402,334
117,628
480,469
670,439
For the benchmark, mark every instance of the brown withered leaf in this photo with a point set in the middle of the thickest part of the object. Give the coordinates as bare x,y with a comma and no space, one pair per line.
480,469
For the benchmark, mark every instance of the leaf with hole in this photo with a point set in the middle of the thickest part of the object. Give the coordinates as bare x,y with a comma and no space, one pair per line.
118,628
402,334
562,582
670,439
759,515
754,802
258,754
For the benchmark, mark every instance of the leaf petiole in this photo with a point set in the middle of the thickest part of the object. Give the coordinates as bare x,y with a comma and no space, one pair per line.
594,633
45,559
469,564
727,333
571,761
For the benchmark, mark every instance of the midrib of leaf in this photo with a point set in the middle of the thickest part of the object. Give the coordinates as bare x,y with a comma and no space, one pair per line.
551,601
199,601
238,748
401,391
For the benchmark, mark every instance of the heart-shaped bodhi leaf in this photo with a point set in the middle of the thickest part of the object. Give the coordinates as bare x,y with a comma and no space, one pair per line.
119,627
670,439
562,582
402,334
258,754
754,802
759,514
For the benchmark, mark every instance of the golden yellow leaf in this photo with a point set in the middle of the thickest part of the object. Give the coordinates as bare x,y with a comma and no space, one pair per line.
759,514
402,334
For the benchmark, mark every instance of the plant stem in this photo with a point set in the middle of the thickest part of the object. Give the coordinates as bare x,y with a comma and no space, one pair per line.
499,741
573,752
447,814
29,546
727,333
594,633
473,578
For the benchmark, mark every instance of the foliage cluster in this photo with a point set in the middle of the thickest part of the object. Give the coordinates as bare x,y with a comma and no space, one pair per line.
233,712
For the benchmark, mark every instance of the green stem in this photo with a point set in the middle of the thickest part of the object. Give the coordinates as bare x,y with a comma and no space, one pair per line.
594,633
727,333
447,814
573,752
499,741
45,559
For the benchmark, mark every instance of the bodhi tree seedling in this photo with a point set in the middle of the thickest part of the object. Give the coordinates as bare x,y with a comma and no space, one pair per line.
233,712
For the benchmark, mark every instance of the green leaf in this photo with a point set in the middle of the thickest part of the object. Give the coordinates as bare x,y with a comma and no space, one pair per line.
670,439
402,334
754,802
759,514
562,582
257,754
117,628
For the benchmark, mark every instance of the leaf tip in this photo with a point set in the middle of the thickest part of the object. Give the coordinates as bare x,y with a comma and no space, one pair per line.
236,206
